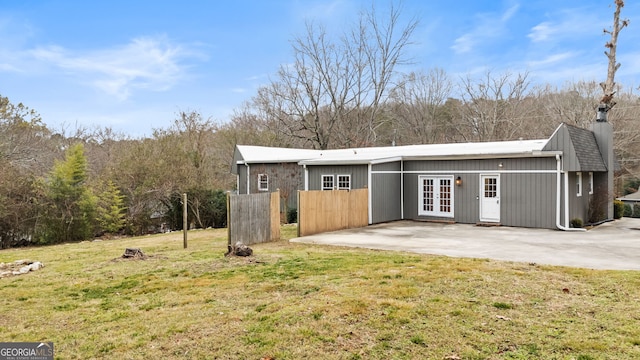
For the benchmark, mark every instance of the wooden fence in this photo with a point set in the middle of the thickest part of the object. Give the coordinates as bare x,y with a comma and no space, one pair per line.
322,211
253,218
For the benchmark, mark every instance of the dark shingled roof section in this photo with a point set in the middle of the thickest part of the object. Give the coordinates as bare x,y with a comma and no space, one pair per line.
587,150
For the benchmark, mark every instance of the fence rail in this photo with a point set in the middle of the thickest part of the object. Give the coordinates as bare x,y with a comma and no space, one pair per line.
253,218
322,211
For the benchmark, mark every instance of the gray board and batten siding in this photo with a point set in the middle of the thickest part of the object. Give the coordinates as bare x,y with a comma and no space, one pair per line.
386,192
581,153
527,185
385,189
286,177
357,173
579,148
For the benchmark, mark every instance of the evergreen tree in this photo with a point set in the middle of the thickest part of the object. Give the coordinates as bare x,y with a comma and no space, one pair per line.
110,214
70,206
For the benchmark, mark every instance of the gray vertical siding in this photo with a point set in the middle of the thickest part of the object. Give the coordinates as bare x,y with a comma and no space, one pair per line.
579,206
561,141
528,199
242,179
386,192
359,175
287,177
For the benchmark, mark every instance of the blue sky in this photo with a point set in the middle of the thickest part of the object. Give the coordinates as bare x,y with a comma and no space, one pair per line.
132,65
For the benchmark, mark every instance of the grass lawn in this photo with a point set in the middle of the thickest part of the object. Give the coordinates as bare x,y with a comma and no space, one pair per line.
298,301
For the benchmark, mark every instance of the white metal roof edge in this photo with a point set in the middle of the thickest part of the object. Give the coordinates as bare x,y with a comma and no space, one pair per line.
527,154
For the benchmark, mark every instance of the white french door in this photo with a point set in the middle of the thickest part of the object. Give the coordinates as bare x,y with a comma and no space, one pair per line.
435,195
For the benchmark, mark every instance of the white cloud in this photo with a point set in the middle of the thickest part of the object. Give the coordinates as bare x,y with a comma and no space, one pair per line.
489,26
552,59
541,32
571,24
147,63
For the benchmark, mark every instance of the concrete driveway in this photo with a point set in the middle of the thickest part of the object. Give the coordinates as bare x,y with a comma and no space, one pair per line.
614,245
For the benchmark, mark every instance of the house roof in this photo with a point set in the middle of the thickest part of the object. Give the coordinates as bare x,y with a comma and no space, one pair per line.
586,148
582,142
264,154
260,154
631,197
429,151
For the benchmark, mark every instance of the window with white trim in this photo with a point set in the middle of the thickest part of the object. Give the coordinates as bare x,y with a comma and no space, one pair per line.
327,182
263,182
590,183
344,182
579,184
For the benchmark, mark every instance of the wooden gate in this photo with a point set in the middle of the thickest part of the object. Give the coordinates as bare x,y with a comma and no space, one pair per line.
322,211
253,218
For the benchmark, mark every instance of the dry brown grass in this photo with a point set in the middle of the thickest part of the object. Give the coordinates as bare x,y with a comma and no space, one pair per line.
295,301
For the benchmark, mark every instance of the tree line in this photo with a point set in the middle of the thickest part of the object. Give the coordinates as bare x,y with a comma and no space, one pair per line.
353,90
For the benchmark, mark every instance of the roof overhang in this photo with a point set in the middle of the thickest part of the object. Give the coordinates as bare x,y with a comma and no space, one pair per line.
529,154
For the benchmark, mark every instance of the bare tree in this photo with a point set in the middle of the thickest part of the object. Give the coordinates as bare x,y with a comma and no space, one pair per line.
494,107
608,87
573,104
331,94
418,107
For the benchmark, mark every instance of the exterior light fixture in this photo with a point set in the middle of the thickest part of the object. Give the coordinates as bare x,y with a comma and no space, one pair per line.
500,165
458,181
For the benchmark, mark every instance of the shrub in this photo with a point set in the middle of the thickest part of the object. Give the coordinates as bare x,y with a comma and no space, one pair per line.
628,210
576,223
636,210
618,209
292,216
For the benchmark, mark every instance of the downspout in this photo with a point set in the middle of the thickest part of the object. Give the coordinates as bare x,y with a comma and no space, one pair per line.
566,197
306,177
369,191
248,178
402,189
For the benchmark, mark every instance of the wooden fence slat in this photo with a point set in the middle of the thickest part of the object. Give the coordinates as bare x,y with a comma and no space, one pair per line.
322,211
254,218
275,215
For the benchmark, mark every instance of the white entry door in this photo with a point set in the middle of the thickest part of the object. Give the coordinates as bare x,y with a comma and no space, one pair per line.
490,198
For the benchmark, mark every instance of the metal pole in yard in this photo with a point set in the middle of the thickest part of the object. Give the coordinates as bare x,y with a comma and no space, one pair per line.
229,222
185,224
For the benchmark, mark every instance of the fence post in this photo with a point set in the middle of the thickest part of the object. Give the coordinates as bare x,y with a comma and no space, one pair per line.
228,222
299,217
185,222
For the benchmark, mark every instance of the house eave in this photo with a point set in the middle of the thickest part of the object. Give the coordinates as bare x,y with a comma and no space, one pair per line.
528,154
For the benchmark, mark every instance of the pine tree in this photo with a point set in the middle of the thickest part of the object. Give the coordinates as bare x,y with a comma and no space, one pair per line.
110,209
70,206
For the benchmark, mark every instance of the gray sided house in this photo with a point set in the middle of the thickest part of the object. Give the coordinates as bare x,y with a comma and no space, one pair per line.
529,183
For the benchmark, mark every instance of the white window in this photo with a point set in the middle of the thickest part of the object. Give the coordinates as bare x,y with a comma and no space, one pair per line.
263,182
590,183
579,184
327,182
436,196
344,182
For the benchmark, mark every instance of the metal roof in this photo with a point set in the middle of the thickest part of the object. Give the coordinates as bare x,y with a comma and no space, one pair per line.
631,197
264,154
261,154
